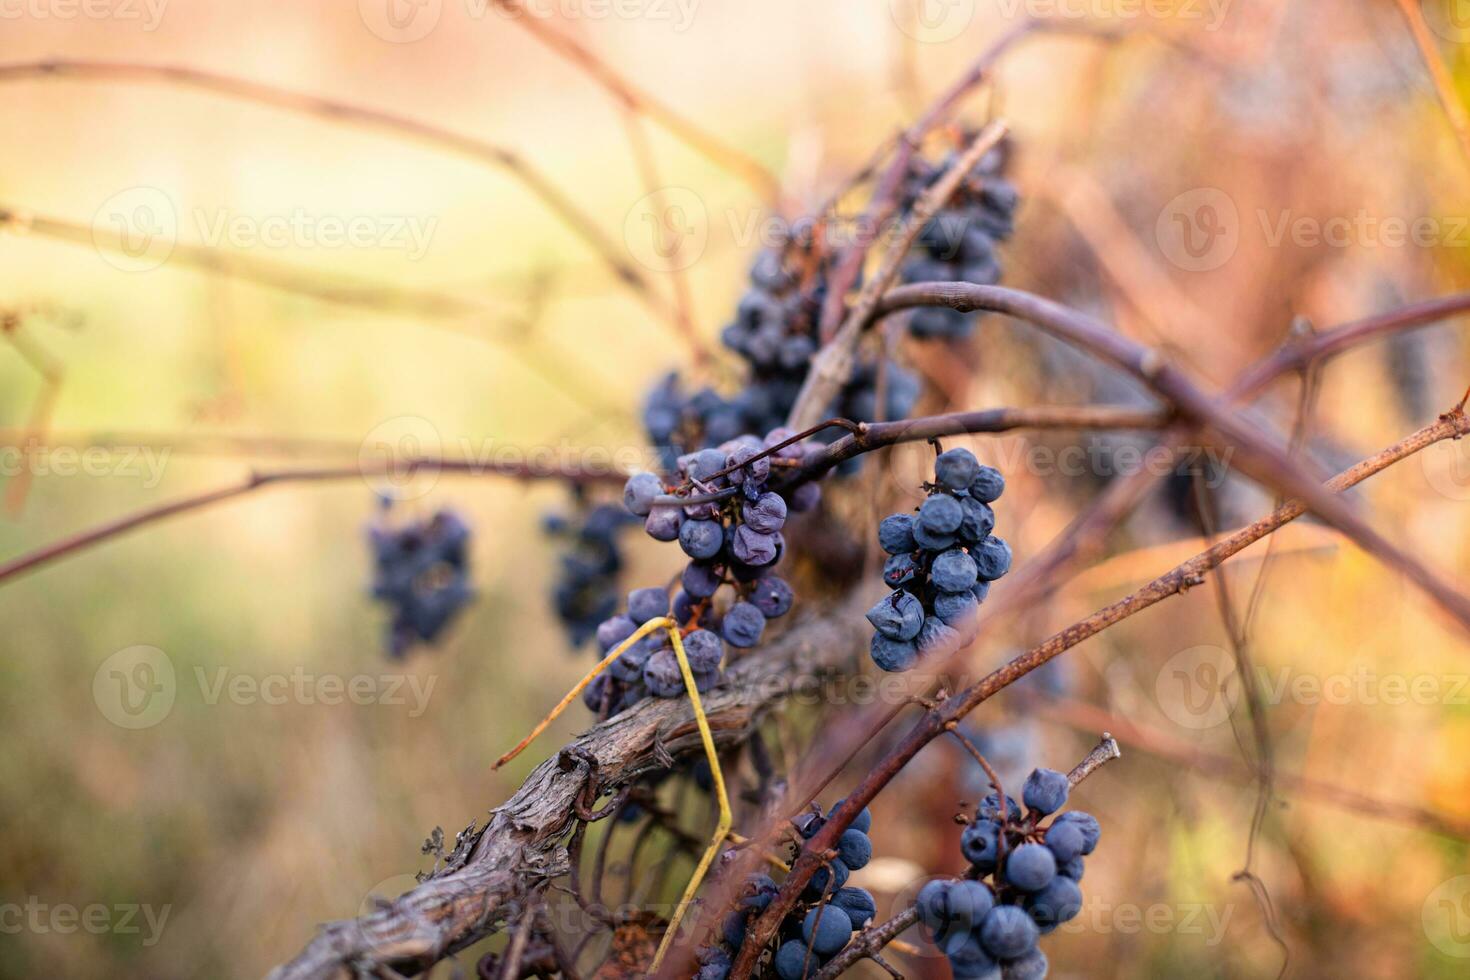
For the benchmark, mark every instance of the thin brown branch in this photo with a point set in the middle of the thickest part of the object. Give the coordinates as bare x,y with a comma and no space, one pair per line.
636,100
72,544
1444,82
1164,745
363,117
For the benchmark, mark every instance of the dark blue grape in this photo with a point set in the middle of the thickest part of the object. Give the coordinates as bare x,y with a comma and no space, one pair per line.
791,960
766,514
700,579
863,821
646,604
754,548
941,514
1030,867
772,596
978,522
826,929
931,541
992,558
968,959
936,639
639,491
1032,966
988,485
980,844
701,539
857,903
614,631
956,469
663,523
896,534
662,676
1085,822
932,905
855,848
957,609
894,656
1058,902
1046,791
1065,842
953,571
1008,932
899,570
834,872
898,616
704,651
743,625
990,808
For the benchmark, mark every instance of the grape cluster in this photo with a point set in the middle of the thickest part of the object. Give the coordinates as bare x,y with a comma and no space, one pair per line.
959,243
990,928
421,572
586,590
820,925
941,562
775,332
732,535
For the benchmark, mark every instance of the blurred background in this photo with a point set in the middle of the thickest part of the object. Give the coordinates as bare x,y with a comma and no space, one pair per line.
206,285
